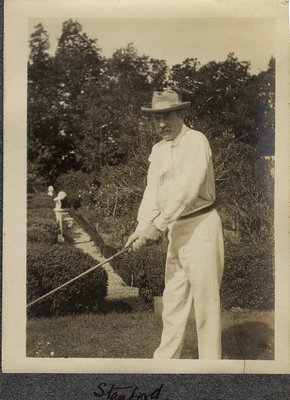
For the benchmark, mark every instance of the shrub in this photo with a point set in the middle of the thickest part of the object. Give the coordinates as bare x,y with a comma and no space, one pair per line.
37,213
42,232
248,280
40,200
41,221
35,182
147,267
50,266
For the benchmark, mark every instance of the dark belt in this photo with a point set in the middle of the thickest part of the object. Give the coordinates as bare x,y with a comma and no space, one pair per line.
199,212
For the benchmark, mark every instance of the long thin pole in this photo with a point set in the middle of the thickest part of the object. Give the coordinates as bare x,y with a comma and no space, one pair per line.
79,276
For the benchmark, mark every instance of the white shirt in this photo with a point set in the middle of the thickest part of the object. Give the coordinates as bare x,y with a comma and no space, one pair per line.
180,180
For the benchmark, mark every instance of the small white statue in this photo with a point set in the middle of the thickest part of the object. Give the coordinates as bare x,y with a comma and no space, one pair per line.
58,200
50,190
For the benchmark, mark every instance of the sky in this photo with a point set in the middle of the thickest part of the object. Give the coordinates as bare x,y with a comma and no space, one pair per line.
175,39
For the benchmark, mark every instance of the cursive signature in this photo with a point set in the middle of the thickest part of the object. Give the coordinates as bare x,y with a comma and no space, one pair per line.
112,392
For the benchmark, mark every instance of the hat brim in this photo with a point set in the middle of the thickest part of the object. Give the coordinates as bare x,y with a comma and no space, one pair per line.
184,105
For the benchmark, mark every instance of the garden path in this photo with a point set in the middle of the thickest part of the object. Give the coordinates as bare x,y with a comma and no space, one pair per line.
117,288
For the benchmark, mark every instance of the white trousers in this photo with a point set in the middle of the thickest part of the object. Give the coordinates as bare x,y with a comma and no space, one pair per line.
194,268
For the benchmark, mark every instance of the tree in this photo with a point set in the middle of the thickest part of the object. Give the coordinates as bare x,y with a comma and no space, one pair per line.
55,110
77,60
265,110
113,107
44,150
79,65
157,74
225,96
39,46
218,93
185,76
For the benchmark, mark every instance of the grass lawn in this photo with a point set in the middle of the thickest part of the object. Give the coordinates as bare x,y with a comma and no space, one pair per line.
246,334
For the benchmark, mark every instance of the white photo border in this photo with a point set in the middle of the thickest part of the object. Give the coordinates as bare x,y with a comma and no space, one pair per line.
16,16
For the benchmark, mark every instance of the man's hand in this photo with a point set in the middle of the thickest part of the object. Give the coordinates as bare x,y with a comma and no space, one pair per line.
139,239
151,233
133,238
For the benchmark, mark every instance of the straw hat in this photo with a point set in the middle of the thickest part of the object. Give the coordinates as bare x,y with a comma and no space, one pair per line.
165,101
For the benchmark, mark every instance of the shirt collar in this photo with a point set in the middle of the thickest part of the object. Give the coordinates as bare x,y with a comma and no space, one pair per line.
178,138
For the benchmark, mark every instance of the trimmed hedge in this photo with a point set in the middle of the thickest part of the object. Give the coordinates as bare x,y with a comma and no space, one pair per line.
42,230
50,266
248,280
40,200
41,222
147,266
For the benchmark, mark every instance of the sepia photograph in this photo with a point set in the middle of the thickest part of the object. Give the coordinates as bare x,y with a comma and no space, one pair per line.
88,147
149,231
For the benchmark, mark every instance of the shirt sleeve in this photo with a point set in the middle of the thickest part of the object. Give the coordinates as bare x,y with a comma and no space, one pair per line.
193,164
148,209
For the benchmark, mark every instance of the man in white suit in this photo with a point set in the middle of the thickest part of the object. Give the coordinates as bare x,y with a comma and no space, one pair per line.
179,198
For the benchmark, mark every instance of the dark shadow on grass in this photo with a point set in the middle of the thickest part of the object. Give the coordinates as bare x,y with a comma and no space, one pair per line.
117,306
248,341
124,305
106,307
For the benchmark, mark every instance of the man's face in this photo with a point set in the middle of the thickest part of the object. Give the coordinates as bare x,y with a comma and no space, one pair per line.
168,124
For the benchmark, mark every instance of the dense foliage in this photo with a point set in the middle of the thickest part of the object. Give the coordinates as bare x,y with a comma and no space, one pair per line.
49,266
248,280
41,223
146,268
42,230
